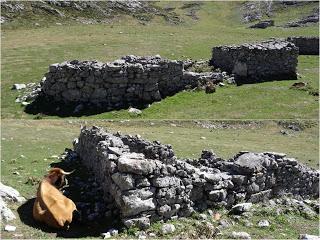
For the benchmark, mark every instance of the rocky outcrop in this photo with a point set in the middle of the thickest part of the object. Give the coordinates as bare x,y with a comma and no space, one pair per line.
86,11
146,182
8,194
306,45
126,82
258,62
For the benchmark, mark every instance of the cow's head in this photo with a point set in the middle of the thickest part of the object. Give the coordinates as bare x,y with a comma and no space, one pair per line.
56,176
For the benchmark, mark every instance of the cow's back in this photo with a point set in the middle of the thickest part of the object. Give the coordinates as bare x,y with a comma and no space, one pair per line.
52,207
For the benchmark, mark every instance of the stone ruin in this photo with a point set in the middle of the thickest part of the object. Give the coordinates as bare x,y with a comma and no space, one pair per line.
128,81
306,45
138,81
145,182
258,62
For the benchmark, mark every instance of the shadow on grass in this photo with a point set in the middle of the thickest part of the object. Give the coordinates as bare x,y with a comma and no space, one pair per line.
43,106
76,230
80,226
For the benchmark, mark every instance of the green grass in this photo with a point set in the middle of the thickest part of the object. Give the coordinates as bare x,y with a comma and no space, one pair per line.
27,52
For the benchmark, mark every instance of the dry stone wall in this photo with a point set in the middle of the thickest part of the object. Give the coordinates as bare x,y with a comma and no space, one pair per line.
128,81
146,182
258,62
306,45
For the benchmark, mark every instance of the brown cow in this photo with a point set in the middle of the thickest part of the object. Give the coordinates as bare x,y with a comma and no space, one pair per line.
51,206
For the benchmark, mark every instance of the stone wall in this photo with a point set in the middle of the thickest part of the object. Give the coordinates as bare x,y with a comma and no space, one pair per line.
146,182
306,45
257,62
126,82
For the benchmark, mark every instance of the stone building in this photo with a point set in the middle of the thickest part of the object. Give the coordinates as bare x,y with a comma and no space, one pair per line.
258,62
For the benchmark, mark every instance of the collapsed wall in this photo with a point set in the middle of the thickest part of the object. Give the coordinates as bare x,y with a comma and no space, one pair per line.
128,81
306,45
146,182
257,62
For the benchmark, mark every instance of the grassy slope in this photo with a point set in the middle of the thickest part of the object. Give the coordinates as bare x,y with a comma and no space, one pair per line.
38,140
27,52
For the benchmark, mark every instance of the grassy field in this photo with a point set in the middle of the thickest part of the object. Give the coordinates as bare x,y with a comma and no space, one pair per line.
27,51
29,147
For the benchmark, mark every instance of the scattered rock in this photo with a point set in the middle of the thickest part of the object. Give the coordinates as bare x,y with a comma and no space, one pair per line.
134,111
231,80
240,235
308,237
263,223
25,103
113,232
168,228
299,85
6,213
2,19
19,86
10,228
263,24
142,235
10,194
224,223
241,208
203,216
106,235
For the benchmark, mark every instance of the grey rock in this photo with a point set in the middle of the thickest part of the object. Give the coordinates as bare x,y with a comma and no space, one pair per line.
124,181
250,162
19,86
167,229
10,228
218,195
134,205
308,237
203,216
263,223
241,208
6,213
135,163
134,110
240,235
106,235
224,223
166,182
113,231
142,222
11,194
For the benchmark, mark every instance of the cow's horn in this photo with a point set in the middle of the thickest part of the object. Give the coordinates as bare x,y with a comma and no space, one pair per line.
66,173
